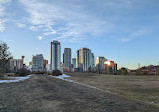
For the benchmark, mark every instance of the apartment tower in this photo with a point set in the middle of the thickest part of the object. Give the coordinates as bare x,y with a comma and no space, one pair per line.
84,59
67,57
55,55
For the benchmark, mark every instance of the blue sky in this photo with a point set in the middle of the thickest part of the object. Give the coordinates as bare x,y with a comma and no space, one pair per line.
125,31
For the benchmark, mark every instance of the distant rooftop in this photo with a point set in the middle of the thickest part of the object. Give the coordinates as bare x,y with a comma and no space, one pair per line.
55,42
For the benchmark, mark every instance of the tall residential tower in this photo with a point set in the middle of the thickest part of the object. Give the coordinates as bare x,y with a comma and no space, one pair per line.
67,57
55,55
84,59
100,64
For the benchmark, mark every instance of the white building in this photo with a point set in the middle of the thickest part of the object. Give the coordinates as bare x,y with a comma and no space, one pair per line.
48,67
16,64
30,67
55,55
38,63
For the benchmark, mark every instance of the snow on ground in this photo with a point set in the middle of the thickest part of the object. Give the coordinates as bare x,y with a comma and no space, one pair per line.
15,79
63,77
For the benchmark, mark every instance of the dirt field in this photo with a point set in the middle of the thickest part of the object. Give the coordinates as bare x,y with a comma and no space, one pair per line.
42,93
143,88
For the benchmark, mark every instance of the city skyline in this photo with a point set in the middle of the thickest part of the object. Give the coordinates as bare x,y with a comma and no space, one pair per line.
122,31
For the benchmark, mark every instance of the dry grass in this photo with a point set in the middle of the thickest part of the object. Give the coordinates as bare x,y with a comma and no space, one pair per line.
143,88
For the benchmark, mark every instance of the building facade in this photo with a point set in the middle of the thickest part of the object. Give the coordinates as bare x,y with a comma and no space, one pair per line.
100,64
16,64
67,57
93,63
45,64
38,63
84,59
112,68
55,55
74,62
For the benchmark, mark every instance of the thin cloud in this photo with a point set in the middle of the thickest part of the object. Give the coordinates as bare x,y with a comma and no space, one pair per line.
2,25
20,25
3,6
62,21
132,35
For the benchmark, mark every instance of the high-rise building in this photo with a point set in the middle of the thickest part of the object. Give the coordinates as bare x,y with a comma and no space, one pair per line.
100,64
84,59
93,64
38,63
45,64
55,55
67,57
74,62
77,58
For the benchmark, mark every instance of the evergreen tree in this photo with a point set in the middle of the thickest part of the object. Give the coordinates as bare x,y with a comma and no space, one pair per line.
5,55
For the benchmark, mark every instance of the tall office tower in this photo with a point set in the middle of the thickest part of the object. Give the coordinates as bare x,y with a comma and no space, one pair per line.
84,59
67,57
38,63
55,55
74,62
100,63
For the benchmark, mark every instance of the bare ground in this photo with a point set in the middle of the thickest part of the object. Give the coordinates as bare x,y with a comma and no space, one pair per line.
43,93
142,88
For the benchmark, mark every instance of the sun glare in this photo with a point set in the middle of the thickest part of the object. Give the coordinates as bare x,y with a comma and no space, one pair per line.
107,62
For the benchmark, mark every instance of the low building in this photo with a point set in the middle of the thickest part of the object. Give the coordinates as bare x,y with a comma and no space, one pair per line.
111,68
16,64
149,70
48,68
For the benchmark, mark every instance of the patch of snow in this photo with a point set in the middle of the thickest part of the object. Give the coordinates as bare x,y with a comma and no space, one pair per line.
152,102
15,79
63,77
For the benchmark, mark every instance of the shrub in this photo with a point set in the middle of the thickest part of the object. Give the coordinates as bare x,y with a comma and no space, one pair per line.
22,72
49,73
38,72
56,73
